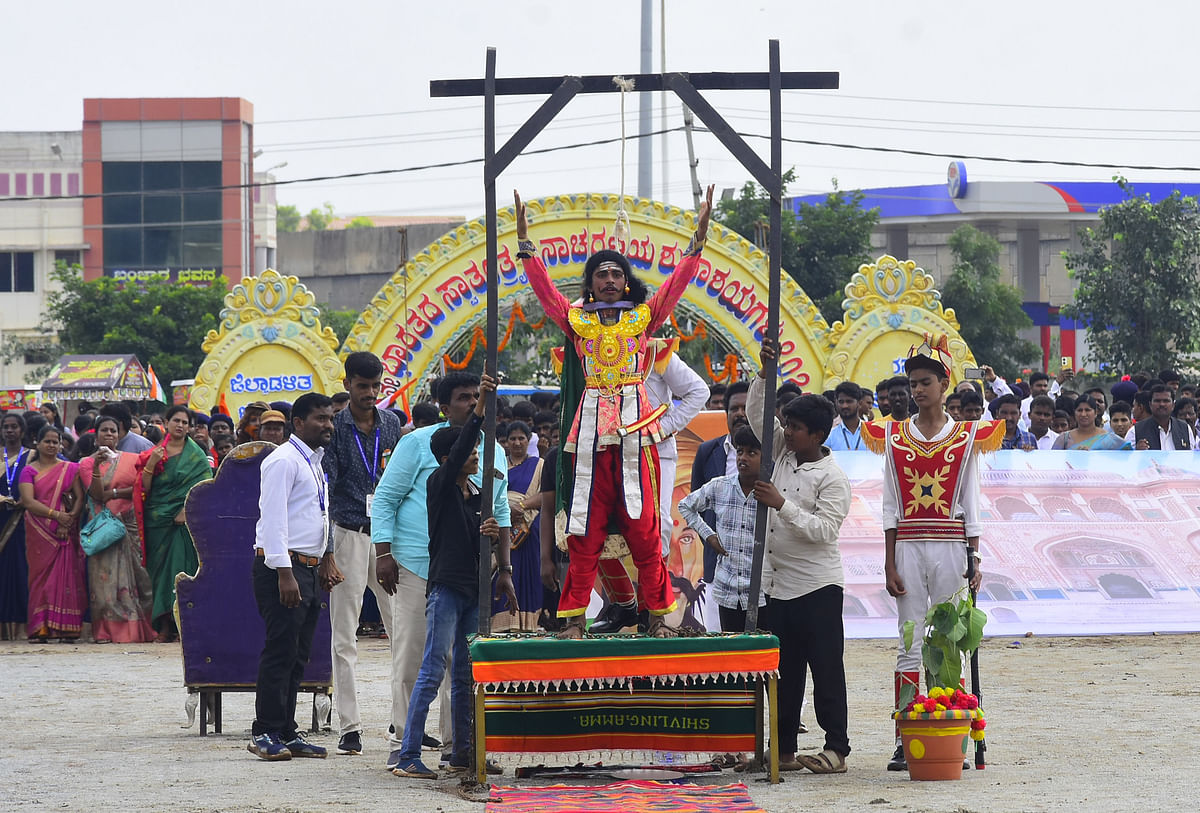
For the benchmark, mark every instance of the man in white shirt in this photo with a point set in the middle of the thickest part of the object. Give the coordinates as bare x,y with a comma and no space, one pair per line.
664,384
717,458
290,539
685,394
1041,413
802,574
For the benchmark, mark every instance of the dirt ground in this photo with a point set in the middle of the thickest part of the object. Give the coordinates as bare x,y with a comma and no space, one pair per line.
1089,724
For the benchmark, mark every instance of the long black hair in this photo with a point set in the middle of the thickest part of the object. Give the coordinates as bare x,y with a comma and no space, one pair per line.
638,292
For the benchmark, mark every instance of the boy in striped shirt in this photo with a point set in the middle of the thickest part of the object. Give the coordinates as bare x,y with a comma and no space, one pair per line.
732,499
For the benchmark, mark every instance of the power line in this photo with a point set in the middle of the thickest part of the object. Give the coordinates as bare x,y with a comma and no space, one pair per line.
962,156
605,141
1024,106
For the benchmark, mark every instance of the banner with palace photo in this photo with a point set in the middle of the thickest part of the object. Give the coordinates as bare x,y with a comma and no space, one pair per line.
1074,543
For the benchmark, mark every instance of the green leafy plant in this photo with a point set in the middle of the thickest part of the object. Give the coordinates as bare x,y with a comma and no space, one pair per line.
953,628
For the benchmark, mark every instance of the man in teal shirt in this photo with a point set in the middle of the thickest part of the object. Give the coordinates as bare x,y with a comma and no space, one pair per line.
400,532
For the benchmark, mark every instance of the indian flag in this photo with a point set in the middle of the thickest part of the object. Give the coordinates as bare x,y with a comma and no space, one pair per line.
156,390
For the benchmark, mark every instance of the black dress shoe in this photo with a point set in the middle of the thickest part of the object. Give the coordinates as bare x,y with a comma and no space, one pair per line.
614,619
898,762
432,743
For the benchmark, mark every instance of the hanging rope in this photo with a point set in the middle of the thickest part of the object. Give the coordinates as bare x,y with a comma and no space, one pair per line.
622,229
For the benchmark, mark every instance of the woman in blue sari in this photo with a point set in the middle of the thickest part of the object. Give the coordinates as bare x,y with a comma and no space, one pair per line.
524,499
14,570
1086,436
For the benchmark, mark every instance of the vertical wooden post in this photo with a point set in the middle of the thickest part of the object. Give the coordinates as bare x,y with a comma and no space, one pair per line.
489,365
481,736
775,248
773,700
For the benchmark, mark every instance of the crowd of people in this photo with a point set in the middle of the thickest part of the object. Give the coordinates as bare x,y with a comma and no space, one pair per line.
380,507
138,470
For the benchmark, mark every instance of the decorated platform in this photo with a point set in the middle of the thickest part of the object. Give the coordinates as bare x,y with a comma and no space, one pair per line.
610,694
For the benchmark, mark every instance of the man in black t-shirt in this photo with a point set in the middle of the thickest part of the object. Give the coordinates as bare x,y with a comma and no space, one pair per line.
452,597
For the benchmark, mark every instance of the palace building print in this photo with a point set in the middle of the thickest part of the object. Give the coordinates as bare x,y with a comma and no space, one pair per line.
1073,542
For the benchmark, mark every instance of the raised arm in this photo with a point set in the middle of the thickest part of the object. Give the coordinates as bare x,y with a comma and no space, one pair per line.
553,302
756,398
670,292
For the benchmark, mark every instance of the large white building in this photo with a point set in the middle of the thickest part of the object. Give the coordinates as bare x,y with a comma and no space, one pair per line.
41,222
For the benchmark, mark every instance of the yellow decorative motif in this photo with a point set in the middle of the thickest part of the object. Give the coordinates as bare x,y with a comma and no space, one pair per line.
588,325
270,346
927,490
889,306
269,296
610,352
443,287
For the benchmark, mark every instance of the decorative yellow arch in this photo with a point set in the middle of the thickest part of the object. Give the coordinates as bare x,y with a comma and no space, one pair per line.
270,346
890,305
437,298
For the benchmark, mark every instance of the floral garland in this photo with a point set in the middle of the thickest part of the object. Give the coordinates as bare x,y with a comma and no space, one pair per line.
478,338
944,704
700,331
730,371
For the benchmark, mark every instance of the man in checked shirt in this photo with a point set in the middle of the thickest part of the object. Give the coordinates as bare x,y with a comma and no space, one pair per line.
731,497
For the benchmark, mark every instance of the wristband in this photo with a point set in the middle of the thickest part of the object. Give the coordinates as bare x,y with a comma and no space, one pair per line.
505,568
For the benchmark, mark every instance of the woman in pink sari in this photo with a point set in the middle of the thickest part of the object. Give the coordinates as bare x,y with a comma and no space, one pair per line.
53,497
121,596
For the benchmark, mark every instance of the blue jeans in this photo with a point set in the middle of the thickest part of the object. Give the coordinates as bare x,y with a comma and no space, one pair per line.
450,616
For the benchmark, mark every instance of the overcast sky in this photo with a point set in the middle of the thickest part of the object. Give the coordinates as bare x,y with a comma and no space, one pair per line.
342,87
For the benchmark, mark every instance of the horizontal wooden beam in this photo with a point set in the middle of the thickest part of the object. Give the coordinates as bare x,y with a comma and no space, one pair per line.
643,82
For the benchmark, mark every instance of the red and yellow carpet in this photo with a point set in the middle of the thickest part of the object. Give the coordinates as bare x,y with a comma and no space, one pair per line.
623,797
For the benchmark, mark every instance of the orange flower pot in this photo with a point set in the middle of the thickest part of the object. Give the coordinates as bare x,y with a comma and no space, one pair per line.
934,748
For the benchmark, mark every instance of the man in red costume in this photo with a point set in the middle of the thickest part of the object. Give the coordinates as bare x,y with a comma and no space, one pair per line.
615,429
930,501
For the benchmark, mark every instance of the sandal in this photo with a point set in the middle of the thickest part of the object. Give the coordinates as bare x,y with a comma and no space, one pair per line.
573,629
825,762
752,765
659,628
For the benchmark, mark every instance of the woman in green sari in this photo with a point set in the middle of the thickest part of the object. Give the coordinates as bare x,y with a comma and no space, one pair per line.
167,474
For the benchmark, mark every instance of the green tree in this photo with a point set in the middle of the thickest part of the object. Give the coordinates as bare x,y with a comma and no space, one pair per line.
823,244
164,323
287,218
319,219
1137,277
988,309
361,222
342,321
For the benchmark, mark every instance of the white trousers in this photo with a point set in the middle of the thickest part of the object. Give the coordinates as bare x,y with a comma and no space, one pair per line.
355,556
666,491
932,572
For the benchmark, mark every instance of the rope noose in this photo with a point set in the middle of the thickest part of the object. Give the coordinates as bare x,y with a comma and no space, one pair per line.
622,229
